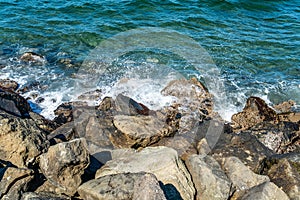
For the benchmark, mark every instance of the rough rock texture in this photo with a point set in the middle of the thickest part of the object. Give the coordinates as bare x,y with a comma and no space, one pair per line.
240,175
282,137
163,162
285,176
9,84
254,112
14,182
13,103
33,57
141,130
128,106
64,113
210,180
244,146
44,196
64,163
136,186
21,140
284,107
265,191
196,102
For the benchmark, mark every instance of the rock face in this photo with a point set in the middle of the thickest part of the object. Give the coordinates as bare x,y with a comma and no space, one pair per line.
14,182
163,162
265,191
286,177
21,140
209,179
13,103
254,112
240,175
134,186
141,130
64,163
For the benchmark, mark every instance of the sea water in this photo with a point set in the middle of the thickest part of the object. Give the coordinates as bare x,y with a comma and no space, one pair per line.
238,48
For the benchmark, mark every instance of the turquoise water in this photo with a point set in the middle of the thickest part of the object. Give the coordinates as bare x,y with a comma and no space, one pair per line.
255,44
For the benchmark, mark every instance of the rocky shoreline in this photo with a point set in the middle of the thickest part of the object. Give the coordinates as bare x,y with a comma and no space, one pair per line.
123,150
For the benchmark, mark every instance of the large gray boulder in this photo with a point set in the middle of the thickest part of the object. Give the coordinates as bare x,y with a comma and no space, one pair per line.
163,162
136,186
64,164
265,191
210,180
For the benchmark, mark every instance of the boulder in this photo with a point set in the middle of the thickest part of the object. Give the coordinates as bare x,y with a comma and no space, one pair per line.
64,113
21,140
284,107
254,112
286,177
244,146
194,100
282,137
43,196
13,103
14,182
64,163
9,84
141,131
240,175
163,162
210,180
134,186
265,191
128,106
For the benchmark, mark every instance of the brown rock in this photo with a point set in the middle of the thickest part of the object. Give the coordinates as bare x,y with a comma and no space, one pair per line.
21,140
64,163
9,84
33,58
285,176
285,106
254,112
134,186
14,182
64,113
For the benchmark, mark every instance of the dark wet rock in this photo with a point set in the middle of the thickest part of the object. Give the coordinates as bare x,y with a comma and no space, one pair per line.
90,96
30,86
64,113
163,162
32,57
265,191
14,182
128,106
64,163
106,104
244,146
63,133
9,84
134,186
42,196
284,174
209,179
282,137
254,112
13,103
240,175
21,140
42,122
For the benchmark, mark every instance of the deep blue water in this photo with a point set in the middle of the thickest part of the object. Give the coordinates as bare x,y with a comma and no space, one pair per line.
254,44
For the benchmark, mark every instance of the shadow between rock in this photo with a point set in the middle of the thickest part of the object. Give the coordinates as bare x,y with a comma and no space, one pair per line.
170,191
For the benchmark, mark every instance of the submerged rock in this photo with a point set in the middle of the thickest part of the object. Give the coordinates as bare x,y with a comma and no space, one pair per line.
163,162
134,186
64,163
13,103
33,58
209,179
